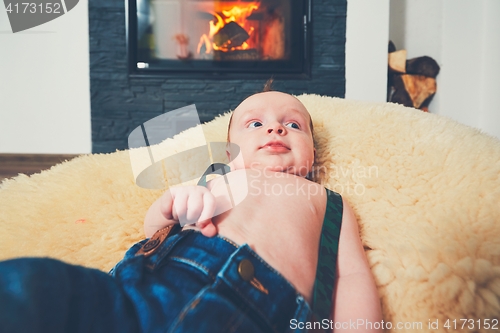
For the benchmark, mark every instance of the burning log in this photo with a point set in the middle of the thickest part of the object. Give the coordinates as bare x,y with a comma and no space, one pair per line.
231,35
250,54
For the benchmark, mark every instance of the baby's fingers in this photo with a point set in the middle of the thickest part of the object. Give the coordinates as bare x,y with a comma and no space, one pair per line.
208,228
194,208
205,223
209,205
180,206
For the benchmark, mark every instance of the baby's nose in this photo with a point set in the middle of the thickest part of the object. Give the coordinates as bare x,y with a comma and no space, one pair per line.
277,128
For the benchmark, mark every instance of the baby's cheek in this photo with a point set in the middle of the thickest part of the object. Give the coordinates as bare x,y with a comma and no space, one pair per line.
239,163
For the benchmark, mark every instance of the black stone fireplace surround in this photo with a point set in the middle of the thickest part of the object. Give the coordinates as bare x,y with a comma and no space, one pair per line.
120,103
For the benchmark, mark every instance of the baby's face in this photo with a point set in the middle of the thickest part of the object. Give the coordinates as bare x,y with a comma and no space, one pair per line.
272,131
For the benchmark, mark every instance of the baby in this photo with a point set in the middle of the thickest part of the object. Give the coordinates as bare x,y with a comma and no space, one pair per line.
249,269
282,214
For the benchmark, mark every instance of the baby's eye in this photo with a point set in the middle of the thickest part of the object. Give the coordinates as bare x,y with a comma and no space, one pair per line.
293,125
255,124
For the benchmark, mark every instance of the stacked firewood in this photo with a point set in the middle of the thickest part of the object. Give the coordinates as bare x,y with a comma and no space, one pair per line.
411,82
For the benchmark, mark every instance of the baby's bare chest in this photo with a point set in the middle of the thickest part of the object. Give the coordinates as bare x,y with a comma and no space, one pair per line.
281,219
261,198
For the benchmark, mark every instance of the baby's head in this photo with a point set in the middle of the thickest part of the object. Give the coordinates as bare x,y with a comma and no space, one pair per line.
274,131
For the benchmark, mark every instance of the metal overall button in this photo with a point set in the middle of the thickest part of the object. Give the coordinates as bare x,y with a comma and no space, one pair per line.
247,273
246,270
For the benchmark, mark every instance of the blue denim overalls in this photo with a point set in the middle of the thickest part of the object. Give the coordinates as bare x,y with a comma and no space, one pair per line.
183,283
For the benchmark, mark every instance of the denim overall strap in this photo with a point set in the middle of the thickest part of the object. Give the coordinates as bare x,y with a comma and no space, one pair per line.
327,256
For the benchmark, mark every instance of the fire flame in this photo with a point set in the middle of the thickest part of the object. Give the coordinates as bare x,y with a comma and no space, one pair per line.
237,14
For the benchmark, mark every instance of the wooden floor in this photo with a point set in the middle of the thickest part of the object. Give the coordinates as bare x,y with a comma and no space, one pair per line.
13,164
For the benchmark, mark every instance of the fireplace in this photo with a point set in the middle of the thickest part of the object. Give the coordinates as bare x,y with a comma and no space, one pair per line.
217,38
124,96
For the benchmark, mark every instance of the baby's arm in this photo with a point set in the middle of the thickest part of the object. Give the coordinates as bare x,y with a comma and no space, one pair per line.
184,204
356,297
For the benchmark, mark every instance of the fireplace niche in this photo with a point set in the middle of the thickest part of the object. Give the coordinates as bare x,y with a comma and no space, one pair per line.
218,39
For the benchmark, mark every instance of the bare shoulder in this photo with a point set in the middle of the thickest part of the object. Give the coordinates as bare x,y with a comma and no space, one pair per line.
351,255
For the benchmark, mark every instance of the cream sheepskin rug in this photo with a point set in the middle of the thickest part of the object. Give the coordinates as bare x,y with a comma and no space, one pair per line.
425,189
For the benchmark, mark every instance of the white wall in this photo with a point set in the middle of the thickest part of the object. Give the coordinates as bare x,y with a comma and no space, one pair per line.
463,36
367,31
44,85
489,97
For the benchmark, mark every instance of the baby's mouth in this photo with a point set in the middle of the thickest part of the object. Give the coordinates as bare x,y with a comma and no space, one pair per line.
275,146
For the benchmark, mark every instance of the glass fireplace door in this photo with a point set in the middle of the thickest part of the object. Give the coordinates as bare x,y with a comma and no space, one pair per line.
219,37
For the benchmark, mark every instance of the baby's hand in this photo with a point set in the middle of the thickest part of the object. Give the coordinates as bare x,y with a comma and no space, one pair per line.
190,205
